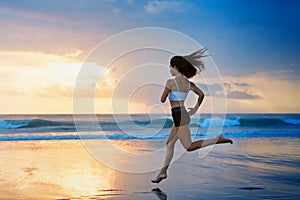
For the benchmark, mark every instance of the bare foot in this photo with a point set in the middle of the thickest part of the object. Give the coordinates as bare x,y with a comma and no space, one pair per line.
159,178
221,139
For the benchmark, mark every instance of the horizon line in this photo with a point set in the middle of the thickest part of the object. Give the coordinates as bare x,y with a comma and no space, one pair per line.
143,113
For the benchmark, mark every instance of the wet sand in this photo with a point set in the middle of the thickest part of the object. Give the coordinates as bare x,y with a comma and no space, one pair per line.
265,168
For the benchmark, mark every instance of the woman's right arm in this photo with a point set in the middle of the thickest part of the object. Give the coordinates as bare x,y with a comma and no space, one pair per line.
165,93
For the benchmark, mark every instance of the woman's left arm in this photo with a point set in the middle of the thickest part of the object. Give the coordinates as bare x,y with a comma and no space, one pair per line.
200,94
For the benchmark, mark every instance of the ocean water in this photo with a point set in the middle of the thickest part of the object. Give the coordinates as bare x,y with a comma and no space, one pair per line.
143,126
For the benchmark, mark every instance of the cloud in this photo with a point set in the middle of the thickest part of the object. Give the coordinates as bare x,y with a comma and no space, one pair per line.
32,59
88,91
8,75
51,29
16,37
154,7
269,92
231,85
117,10
242,84
242,95
227,85
231,90
56,90
13,93
236,90
212,89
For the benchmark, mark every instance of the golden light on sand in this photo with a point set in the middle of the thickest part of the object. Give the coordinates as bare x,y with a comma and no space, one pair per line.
53,168
85,178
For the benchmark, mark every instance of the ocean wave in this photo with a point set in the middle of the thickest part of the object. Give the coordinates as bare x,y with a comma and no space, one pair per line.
247,122
31,123
218,122
12,124
155,123
292,121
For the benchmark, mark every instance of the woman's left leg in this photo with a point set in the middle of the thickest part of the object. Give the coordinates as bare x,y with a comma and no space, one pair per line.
184,135
169,155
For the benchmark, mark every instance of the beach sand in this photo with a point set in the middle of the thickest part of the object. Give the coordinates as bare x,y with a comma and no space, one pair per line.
257,168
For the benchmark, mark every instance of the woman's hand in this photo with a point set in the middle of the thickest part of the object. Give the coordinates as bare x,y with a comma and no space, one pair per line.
192,110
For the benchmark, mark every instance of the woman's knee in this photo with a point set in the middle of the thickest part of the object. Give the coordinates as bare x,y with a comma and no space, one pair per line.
186,144
170,145
189,149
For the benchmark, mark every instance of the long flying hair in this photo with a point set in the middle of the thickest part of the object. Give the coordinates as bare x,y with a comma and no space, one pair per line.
189,65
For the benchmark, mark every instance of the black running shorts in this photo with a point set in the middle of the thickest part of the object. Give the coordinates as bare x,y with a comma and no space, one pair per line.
180,116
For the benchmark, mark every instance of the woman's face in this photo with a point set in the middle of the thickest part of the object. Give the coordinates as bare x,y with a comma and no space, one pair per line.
173,71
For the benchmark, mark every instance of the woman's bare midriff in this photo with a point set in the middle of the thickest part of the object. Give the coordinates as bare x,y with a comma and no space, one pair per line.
175,104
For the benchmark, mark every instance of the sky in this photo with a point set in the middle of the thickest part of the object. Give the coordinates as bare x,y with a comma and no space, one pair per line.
255,45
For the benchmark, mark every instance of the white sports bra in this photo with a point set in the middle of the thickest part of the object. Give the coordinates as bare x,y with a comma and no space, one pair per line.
177,95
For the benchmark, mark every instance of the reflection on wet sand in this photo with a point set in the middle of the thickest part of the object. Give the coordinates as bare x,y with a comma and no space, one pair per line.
55,169
160,194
